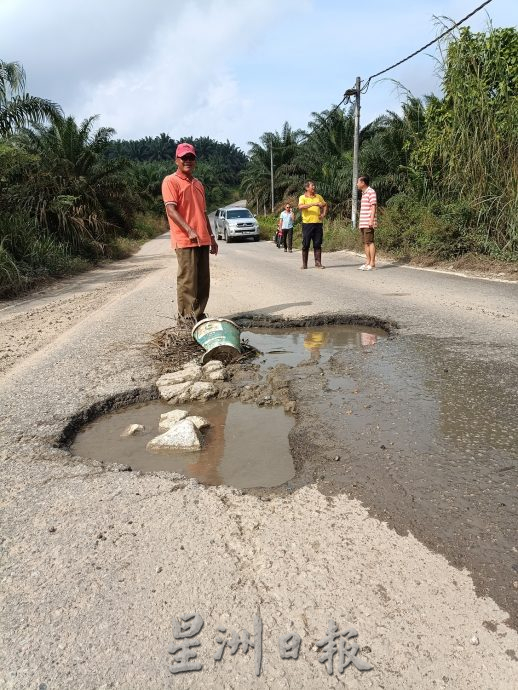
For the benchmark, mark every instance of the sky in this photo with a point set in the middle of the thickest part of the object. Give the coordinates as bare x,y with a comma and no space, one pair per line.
227,69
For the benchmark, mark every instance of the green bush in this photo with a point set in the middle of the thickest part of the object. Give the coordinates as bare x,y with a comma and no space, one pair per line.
268,226
10,276
149,225
339,235
412,227
29,254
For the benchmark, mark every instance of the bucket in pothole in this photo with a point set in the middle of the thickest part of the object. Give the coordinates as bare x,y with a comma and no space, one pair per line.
220,338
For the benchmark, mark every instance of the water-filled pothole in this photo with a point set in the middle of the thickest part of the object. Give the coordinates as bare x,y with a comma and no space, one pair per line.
309,345
246,446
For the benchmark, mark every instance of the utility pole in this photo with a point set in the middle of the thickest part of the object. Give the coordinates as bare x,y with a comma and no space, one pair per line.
271,170
356,150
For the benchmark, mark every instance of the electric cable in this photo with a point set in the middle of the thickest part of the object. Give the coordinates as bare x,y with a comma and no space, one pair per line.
345,100
438,38
364,88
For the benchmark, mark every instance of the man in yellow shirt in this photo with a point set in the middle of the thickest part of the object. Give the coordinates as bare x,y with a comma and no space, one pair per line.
314,210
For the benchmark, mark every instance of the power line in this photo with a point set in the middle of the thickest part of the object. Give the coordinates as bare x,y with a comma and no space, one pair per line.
454,26
349,92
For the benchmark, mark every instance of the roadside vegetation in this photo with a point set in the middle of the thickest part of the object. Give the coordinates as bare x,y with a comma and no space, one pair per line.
71,196
445,169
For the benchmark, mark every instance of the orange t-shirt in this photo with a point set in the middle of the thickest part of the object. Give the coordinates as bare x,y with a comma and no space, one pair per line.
188,195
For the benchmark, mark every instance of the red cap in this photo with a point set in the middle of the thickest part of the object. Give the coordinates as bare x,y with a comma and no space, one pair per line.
183,149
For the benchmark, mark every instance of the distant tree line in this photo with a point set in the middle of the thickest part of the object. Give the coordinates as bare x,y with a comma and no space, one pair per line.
219,164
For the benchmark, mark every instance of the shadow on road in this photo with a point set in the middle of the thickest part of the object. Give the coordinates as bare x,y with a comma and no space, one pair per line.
277,307
327,266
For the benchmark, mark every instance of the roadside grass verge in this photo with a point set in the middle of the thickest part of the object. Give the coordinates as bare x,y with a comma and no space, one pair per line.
30,258
338,234
420,238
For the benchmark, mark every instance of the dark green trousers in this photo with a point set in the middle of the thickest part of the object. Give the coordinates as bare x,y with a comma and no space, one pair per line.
192,281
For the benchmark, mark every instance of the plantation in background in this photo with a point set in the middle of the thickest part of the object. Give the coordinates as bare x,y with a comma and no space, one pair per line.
445,170
70,196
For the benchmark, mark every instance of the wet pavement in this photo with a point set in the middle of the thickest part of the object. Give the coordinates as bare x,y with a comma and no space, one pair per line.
413,428
84,544
293,347
410,425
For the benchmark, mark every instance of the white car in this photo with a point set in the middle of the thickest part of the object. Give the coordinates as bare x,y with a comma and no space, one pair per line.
232,223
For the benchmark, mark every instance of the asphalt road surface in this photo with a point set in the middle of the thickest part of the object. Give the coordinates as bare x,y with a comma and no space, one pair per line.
410,538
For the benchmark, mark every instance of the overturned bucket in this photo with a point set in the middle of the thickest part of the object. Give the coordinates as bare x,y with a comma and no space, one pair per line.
220,338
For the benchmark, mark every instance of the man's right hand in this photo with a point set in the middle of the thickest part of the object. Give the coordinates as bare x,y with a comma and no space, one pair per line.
191,234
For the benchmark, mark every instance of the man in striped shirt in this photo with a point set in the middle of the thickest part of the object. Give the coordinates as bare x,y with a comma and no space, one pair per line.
367,222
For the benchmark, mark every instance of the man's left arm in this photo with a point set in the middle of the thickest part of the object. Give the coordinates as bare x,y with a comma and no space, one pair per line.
323,210
372,218
213,243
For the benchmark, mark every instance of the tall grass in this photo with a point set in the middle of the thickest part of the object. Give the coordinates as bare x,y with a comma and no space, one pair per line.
471,146
29,255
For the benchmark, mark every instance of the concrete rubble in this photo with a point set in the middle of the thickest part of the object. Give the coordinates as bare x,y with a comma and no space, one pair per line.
133,429
199,422
192,382
199,391
169,419
184,435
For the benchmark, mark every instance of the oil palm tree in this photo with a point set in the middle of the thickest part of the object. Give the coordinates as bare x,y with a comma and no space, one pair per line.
387,143
72,190
17,108
256,178
326,156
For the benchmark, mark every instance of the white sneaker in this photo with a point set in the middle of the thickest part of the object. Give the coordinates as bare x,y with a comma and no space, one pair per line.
366,267
362,267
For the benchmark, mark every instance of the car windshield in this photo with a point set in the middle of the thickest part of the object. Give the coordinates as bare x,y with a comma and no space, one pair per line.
241,213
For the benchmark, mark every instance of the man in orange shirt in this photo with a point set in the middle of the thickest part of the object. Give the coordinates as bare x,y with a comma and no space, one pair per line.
191,234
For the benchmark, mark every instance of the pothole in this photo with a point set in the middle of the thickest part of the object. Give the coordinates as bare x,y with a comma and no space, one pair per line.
409,426
245,446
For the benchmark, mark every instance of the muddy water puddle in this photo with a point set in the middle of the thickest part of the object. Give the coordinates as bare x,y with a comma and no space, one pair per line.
313,346
425,433
246,446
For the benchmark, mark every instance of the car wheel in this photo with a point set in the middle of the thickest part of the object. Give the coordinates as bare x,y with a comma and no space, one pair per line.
256,239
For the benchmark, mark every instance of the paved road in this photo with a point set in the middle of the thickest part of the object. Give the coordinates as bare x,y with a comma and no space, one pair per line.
96,564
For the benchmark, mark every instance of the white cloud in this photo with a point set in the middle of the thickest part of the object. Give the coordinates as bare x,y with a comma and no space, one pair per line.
144,68
222,68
